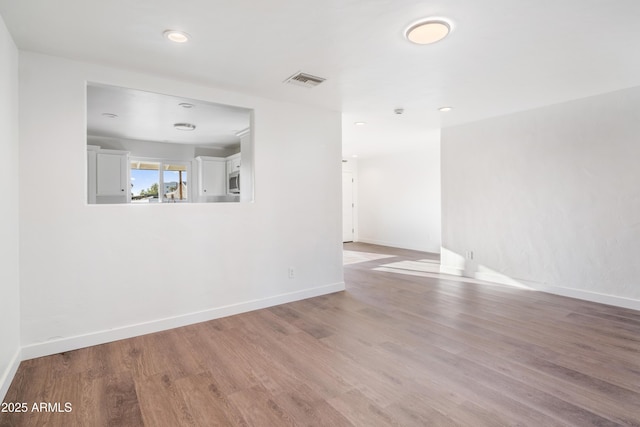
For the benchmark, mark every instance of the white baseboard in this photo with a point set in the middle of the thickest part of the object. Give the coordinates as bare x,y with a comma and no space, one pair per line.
7,376
633,304
398,245
450,270
501,279
100,337
559,290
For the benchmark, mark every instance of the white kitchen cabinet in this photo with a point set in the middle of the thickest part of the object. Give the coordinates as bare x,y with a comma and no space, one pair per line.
211,176
112,176
233,163
92,152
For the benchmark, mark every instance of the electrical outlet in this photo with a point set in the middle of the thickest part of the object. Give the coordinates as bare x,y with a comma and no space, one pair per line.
469,254
292,273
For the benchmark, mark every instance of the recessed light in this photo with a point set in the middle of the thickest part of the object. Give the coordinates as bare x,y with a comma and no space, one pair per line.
445,109
184,126
355,156
360,123
186,105
176,36
110,115
428,31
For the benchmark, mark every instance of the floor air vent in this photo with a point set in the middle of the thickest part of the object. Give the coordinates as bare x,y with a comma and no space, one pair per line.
304,80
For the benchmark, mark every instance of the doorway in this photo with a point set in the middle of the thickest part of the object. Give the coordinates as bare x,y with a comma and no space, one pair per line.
347,207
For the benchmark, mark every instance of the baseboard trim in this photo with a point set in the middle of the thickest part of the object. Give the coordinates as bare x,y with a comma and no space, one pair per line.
9,373
95,338
397,245
622,302
501,279
562,291
450,270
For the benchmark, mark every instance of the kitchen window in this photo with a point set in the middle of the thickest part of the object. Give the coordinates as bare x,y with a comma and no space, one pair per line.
159,181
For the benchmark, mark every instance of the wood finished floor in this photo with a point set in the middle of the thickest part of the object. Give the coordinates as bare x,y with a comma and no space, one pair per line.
394,349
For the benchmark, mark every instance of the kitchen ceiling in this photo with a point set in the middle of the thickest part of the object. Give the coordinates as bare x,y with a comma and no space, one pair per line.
117,112
501,56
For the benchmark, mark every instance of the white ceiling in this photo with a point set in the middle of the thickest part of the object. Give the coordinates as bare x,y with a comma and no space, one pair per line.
502,56
151,117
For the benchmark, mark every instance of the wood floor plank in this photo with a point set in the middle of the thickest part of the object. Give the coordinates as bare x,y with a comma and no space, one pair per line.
360,411
166,352
222,359
161,404
306,407
118,400
394,349
206,403
33,383
607,405
259,408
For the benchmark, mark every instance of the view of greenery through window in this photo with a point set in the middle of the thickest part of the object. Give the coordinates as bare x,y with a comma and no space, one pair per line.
146,181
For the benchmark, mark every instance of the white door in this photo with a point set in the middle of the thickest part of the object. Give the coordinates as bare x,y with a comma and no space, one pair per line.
347,206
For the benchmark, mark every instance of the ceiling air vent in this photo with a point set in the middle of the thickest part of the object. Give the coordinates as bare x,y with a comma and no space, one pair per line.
304,80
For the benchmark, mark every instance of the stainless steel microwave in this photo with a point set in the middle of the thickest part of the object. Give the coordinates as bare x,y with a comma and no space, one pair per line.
234,182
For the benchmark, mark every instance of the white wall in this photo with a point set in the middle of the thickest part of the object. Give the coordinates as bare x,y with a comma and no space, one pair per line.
549,198
92,273
399,199
9,275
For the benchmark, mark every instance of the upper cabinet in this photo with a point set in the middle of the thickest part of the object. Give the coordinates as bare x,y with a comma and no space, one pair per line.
111,173
233,163
233,180
211,176
109,178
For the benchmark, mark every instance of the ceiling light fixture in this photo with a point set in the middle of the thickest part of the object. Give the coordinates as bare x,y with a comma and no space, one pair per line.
360,123
186,105
184,126
176,36
445,109
428,31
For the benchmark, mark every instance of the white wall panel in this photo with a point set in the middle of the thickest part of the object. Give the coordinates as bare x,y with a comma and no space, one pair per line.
399,199
9,221
549,197
87,270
